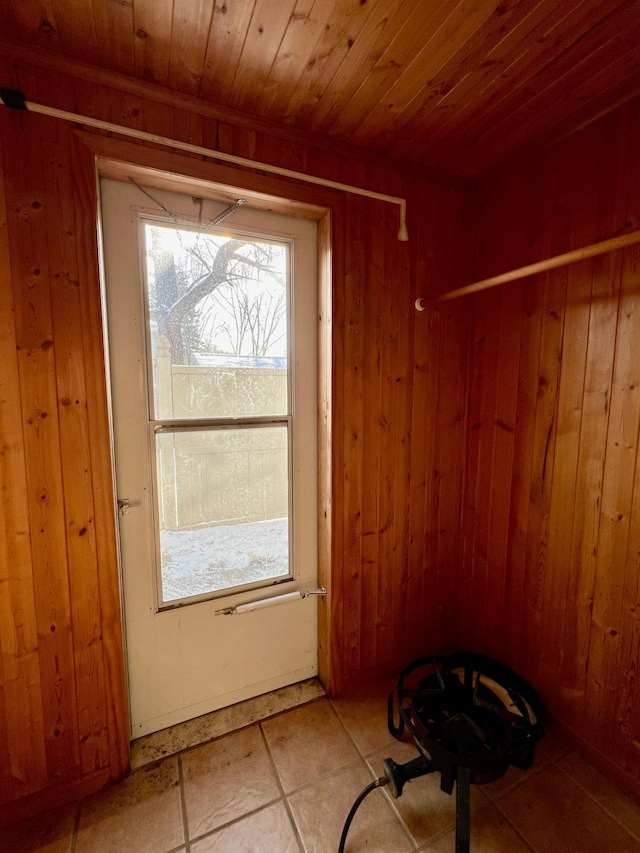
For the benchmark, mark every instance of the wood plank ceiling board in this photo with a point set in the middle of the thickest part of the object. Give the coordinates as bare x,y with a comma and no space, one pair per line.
448,117
337,39
152,22
114,30
456,84
359,62
191,22
308,21
463,80
451,32
36,19
578,91
578,60
262,42
390,65
226,39
75,28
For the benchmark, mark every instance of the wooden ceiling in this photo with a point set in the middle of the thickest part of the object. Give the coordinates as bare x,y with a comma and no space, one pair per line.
457,84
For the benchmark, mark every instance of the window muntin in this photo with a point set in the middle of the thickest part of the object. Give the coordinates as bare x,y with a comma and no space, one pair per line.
218,341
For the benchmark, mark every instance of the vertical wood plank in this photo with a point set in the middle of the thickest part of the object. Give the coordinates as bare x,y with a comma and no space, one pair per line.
503,452
571,566
99,439
589,472
603,323
22,752
449,450
387,426
422,424
626,717
398,344
518,633
75,450
372,312
354,336
621,451
561,586
31,274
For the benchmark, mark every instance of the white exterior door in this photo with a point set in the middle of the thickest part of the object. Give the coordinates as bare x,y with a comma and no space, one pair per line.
212,351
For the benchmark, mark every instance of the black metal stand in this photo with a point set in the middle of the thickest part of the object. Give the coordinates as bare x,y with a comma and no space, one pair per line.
471,717
463,809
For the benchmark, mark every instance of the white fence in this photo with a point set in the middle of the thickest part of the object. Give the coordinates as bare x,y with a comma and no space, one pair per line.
220,476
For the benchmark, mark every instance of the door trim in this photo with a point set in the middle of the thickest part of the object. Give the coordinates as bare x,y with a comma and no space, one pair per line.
120,160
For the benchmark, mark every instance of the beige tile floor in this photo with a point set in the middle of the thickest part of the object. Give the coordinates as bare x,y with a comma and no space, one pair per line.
287,783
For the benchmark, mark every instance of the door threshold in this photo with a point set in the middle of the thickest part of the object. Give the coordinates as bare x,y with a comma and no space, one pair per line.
145,750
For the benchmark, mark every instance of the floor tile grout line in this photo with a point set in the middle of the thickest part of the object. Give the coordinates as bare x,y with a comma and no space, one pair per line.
489,802
430,842
363,756
345,729
559,756
255,722
531,773
387,799
283,796
361,760
396,812
239,819
183,804
515,828
390,802
599,804
356,762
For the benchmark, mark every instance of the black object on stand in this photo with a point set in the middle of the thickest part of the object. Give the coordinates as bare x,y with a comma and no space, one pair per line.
470,717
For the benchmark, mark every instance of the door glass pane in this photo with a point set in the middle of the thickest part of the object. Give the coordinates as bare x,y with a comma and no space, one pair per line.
223,507
217,309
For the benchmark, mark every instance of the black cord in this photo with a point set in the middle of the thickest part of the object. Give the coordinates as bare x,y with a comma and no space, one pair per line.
354,808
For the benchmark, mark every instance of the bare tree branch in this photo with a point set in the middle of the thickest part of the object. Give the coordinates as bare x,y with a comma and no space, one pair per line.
223,272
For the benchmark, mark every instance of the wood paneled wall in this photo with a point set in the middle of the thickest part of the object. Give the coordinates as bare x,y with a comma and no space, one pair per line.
394,463
399,406
550,578
63,719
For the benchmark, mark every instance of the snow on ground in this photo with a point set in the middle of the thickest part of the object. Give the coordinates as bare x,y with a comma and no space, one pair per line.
213,558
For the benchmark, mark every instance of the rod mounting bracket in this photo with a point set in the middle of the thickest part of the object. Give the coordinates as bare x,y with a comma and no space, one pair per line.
13,98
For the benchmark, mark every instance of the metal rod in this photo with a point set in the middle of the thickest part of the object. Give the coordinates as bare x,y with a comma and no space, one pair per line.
572,257
221,155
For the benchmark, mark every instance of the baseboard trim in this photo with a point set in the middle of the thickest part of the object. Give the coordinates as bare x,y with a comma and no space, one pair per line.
53,796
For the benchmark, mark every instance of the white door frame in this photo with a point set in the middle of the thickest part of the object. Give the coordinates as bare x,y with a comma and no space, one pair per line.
168,719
